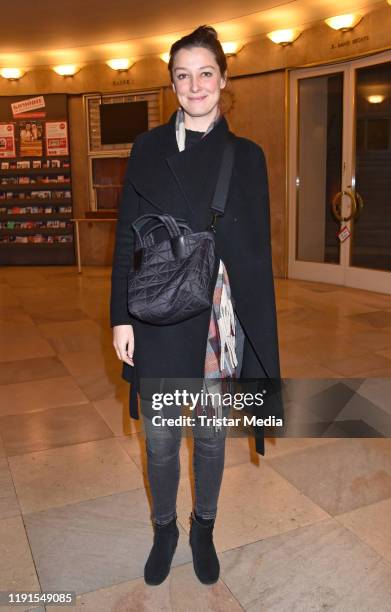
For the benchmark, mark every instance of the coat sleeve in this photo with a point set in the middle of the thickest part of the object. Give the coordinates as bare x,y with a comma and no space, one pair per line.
263,269
274,404
261,354
251,273
124,244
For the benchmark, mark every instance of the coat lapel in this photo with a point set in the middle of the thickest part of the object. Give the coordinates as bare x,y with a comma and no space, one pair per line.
177,181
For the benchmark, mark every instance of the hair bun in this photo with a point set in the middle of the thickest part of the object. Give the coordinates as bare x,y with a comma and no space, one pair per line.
208,30
204,36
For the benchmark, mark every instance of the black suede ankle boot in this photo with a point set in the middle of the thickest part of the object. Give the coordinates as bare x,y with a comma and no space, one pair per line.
158,564
205,561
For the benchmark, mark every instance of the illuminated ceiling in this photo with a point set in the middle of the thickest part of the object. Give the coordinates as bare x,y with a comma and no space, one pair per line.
46,32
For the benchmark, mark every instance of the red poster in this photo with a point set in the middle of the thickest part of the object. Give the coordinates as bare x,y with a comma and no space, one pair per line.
56,138
7,140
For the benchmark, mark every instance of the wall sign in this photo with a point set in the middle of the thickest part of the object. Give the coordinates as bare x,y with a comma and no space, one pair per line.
121,82
27,105
347,43
344,233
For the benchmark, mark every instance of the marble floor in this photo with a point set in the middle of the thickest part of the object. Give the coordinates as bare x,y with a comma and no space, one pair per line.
305,528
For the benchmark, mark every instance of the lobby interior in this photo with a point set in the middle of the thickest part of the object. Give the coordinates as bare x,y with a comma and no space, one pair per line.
307,526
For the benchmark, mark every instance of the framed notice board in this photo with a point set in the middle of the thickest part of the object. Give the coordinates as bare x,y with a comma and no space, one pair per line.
35,181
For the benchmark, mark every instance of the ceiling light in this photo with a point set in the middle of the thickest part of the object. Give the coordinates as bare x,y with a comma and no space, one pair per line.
376,99
120,64
344,22
231,48
165,57
284,37
13,74
66,69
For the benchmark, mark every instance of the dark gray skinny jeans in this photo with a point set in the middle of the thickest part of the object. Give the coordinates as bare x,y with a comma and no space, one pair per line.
163,466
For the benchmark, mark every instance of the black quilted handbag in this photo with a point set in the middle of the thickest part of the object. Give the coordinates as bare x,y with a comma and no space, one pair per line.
171,279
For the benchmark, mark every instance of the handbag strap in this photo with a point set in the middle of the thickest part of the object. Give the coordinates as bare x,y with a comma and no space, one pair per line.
218,203
223,182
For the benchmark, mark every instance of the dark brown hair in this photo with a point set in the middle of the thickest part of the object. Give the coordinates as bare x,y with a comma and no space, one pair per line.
204,36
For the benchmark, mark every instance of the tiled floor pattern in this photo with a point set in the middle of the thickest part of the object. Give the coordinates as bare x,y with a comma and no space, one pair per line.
307,528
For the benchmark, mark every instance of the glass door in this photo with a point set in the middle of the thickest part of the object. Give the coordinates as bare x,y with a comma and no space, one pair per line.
108,175
340,174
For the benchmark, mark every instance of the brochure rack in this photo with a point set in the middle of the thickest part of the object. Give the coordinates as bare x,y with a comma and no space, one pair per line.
35,182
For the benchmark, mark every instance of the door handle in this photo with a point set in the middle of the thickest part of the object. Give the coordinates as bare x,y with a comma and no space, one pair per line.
336,205
359,204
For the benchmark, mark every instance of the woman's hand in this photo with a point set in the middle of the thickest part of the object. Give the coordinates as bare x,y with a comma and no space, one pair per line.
123,342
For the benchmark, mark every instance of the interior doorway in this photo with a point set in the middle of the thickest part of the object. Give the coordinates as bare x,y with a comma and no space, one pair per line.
340,173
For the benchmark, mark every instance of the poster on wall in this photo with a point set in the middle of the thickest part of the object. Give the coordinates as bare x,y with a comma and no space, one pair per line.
30,138
56,138
7,140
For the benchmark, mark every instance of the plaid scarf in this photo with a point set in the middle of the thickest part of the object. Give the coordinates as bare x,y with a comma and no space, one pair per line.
220,359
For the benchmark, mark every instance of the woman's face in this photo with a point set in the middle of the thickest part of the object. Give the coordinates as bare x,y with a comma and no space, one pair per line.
197,81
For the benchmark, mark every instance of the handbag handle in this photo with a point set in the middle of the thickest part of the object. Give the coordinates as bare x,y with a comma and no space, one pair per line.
148,236
165,220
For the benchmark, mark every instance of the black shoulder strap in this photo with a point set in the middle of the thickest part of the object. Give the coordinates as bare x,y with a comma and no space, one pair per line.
223,180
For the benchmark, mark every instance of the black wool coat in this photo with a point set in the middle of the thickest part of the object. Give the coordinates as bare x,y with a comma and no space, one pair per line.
159,178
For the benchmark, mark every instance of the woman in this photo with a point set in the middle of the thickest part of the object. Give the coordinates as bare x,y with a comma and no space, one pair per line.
173,169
